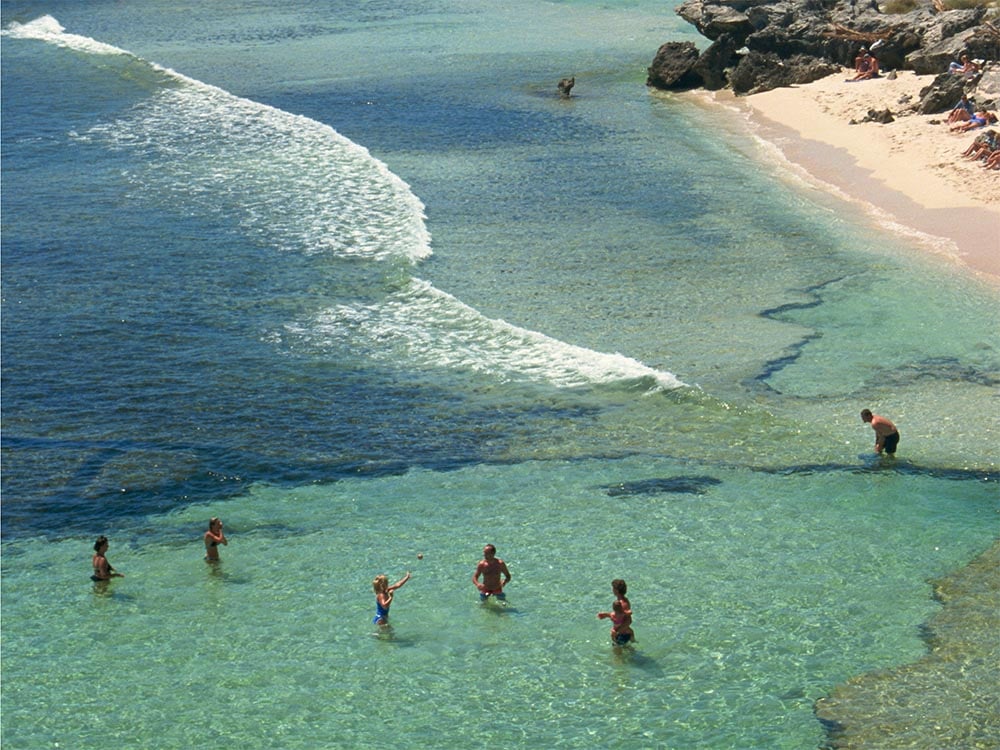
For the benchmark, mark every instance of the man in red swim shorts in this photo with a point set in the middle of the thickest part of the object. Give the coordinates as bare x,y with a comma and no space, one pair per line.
491,568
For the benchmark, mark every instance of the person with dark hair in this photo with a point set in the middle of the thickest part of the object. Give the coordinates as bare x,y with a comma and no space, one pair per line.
490,568
213,538
619,588
965,67
859,60
866,69
886,434
103,571
620,614
963,110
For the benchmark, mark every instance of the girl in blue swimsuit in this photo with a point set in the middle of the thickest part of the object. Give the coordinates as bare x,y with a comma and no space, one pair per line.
383,597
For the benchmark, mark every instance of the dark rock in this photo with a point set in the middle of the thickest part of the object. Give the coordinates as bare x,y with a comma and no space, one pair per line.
988,89
941,94
983,43
892,52
781,35
566,85
884,117
686,485
759,72
715,19
946,41
673,66
715,61
956,21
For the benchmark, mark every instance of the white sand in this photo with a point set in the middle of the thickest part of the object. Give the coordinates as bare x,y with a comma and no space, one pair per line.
911,168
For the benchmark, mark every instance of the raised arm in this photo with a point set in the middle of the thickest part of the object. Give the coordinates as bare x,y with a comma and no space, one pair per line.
400,582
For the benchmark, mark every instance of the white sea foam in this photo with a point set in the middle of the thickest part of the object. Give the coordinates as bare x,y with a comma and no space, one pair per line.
48,29
433,329
301,186
289,179
293,180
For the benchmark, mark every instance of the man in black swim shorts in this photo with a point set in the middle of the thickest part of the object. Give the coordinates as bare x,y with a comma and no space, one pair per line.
886,434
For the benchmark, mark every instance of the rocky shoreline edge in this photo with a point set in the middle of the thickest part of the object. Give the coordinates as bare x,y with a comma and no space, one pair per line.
948,698
759,45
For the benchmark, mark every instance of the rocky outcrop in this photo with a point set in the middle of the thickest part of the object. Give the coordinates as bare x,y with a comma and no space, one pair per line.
945,90
757,45
673,67
952,688
763,71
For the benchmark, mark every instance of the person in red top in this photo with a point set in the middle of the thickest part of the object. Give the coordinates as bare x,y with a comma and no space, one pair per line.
886,434
621,623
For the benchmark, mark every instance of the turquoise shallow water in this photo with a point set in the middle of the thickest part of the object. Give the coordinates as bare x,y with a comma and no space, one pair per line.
750,599
366,299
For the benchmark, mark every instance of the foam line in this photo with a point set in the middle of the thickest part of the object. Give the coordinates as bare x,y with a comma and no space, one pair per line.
428,327
306,188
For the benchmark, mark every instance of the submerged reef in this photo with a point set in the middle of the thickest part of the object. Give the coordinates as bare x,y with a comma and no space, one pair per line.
949,698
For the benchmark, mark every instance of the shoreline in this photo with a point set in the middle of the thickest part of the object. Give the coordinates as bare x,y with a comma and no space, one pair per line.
912,173
910,170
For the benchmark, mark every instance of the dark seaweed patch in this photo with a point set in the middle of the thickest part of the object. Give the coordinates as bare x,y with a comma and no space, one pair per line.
685,485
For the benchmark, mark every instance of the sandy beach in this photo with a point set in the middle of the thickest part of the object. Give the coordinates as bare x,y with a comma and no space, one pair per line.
912,168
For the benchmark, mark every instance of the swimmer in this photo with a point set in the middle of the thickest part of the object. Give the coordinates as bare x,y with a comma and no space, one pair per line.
103,571
213,538
383,597
619,588
621,624
886,434
491,568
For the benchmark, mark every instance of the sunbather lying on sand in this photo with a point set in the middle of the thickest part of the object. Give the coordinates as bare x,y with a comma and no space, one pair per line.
978,120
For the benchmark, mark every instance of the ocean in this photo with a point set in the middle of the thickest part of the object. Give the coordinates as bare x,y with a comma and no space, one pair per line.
354,278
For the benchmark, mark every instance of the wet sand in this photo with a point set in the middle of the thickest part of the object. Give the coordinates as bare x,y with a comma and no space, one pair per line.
912,168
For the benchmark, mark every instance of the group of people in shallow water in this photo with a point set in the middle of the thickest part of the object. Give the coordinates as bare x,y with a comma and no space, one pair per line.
104,571
490,577
491,574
